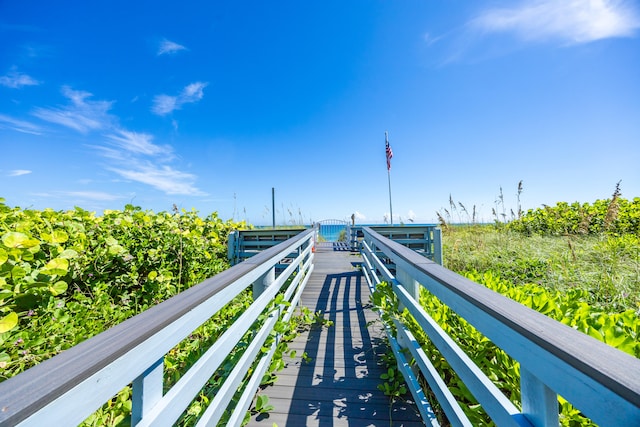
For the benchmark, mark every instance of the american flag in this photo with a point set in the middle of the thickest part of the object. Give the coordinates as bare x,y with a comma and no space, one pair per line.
389,154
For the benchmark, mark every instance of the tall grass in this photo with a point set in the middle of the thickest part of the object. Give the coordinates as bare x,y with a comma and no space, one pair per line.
595,247
607,266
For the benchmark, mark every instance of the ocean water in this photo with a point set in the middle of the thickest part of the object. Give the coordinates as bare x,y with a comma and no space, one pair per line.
331,232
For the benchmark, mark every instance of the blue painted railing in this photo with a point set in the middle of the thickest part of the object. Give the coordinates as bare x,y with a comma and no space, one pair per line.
425,239
66,389
602,382
243,244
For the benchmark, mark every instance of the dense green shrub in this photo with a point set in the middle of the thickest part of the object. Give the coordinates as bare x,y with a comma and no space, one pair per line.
66,276
615,215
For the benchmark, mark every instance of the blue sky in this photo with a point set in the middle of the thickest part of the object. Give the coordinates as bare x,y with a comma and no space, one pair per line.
208,105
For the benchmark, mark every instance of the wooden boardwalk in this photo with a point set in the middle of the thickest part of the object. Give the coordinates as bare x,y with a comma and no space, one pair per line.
338,385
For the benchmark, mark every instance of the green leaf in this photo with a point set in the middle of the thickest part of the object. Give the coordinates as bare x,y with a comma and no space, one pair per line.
8,322
115,249
58,288
68,254
261,401
18,272
595,333
33,285
13,239
59,236
26,256
152,275
110,241
3,256
262,404
56,267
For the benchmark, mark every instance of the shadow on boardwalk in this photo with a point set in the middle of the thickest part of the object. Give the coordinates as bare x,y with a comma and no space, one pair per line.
337,386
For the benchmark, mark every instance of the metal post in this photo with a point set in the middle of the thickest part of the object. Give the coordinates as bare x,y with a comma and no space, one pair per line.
273,206
390,205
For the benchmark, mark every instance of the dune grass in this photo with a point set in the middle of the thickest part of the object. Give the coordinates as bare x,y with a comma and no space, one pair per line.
607,266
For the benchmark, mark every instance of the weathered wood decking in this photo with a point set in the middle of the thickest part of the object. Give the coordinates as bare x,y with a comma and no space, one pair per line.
338,386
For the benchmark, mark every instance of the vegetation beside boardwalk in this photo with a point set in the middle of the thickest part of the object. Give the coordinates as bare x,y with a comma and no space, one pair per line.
576,263
594,248
66,276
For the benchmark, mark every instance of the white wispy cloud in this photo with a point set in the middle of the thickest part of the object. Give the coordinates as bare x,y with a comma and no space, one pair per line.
19,172
147,163
84,195
81,114
567,21
16,80
411,215
168,47
166,104
92,195
193,92
138,143
133,156
161,177
23,126
359,216
431,39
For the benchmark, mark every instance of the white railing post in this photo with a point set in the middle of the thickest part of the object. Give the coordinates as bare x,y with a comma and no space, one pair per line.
413,288
146,391
232,254
309,244
539,402
437,245
409,283
263,282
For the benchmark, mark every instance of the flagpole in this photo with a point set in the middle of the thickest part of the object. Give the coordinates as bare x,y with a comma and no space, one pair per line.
390,205
389,155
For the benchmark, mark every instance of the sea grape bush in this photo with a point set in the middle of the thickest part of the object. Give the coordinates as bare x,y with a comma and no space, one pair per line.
620,330
66,276
616,215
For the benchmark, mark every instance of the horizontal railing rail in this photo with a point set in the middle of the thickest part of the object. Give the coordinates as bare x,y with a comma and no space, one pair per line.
599,380
69,387
243,244
424,239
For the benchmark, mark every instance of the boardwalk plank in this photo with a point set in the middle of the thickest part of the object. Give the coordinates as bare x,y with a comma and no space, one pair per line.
337,384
